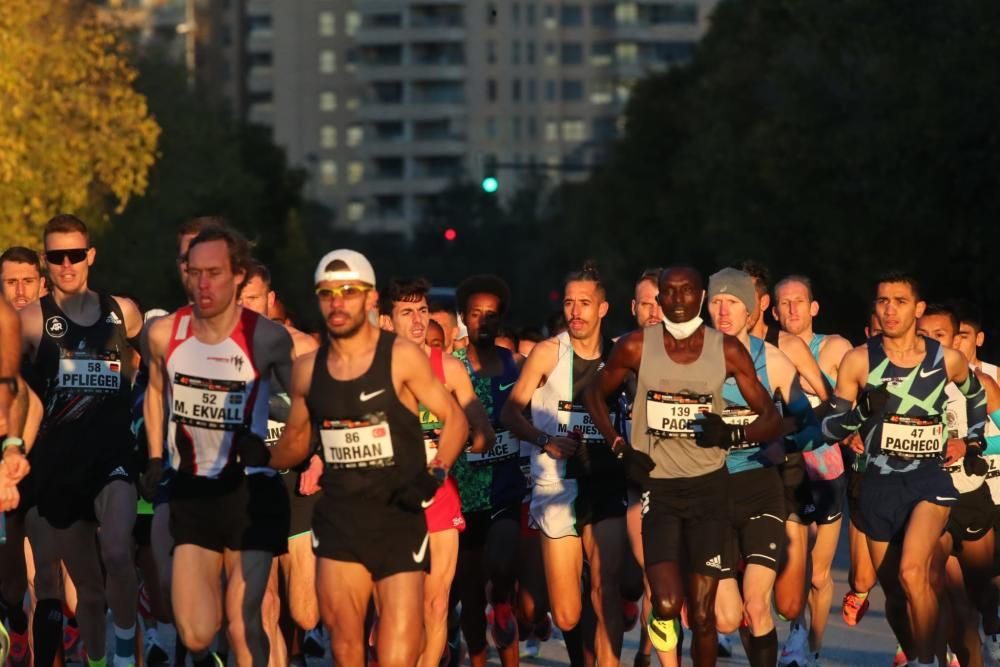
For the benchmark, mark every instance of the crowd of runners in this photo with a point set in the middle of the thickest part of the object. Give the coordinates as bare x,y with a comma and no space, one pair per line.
420,480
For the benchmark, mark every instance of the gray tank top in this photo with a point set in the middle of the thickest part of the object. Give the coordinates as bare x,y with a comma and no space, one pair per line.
669,397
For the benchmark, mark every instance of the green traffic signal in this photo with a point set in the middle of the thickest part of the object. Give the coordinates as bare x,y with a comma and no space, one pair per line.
490,184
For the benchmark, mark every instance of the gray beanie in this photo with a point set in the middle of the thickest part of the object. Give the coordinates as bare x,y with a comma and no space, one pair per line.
735,283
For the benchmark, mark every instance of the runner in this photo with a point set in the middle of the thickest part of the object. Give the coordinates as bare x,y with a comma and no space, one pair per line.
490,484
298,566
403,310
444,314
682,368
795,308
756,491
214,360
578,498
21,276
369,529
969,539
78,344
891,391
790,587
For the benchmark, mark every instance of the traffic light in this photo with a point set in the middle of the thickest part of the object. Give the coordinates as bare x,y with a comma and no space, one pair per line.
490,184
450,234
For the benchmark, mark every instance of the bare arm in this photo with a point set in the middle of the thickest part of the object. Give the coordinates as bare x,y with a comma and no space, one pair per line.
152,406
293,446
413,368
740,367
481,430
625,357
798,352
133,318
10,358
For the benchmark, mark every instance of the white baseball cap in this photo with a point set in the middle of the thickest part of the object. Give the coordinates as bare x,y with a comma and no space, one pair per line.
358,267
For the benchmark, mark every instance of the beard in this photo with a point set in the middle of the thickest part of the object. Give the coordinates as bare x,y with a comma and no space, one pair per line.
347,330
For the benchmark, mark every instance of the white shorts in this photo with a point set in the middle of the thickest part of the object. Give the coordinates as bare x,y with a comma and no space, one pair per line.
553,508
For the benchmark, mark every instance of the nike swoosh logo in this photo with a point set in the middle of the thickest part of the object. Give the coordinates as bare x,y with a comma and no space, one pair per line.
973,532
497,513
424,504
834,517
418,556
505,387
367,397
929,373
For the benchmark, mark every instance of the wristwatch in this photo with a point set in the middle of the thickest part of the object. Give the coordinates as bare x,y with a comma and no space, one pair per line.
543,440
11,382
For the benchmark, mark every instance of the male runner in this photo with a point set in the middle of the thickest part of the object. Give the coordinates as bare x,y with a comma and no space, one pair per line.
444,314
891,391
298,566
78,344
795,308
362,389
490,484
214,361
756,491
677,451
969,538
790,587
578,498
21,276
403,310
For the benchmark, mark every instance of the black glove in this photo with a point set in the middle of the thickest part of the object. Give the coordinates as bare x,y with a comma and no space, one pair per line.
873,401
417,494
149,482
974,463
251,450
715,432
637,465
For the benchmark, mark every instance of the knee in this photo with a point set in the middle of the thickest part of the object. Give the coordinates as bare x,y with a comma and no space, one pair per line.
566,616
913,577
117,556
821,580
270,608
667,606
758,611
701,618
305,616
196,638
790,603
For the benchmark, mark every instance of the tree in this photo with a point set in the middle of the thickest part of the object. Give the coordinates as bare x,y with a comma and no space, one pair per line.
74,134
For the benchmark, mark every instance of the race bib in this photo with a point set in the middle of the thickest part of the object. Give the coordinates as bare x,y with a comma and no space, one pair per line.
274,431
739,415
430,448
912,437
993,476
506,448
213,404
86,373
574,418
356,444
673,415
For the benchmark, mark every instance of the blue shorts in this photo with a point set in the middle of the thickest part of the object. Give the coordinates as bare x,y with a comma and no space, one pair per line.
887,501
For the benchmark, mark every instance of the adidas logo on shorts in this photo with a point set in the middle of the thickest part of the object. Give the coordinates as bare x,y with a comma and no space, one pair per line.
644,503
118,472
112,318
714,561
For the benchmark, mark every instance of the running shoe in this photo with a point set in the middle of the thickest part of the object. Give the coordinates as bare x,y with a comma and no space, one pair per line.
952,660
853,608
532,648
297,661
630,609
312,643
504,626
992,644
20,650
156,656
899,660
640,660
794,652
72,646
663,633
5,644
725,647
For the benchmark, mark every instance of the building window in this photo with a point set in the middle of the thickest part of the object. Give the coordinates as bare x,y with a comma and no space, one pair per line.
531,90
327,24
353,22
328,101
355,211
572,90
551,58
328,172
328,136
491,13
515,52
532,127
550,17
626,13
571,16
355,172
529,53
551,130
353,104
491,52
603,15
261,59
574,130
515,90
626,53
601,92
550,91
602,53
491,90
571,53
529,13
355,134
515,13
491,128
327,61
515,128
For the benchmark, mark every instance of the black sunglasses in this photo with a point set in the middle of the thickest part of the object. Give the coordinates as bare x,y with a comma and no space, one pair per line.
76,255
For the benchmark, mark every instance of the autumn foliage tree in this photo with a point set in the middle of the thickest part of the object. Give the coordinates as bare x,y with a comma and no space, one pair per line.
74,134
